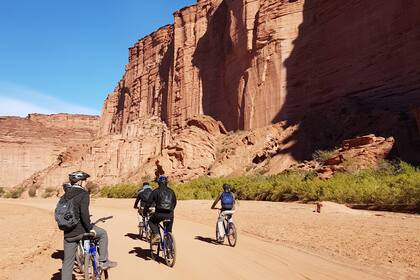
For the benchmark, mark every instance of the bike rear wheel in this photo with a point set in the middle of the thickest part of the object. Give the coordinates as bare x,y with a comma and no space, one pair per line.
170,250
232,234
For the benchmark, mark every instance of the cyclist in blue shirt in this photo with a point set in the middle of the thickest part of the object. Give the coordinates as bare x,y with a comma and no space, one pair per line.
227,200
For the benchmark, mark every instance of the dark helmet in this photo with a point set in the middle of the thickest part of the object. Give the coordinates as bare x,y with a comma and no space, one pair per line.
77,176
145,184
162,179
226,187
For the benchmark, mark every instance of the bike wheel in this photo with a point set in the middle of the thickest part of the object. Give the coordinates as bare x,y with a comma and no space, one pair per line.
170,250
80,259
231,234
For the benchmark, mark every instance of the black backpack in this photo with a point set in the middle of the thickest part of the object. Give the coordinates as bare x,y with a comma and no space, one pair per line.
165,199
66,216
144,195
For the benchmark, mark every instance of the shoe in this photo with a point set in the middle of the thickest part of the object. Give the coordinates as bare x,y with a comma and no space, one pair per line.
155,239
107,265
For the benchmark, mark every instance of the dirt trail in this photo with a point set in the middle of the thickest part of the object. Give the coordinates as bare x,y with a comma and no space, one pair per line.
197,257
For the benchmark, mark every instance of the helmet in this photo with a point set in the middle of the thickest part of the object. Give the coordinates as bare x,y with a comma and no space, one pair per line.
77,176
145,184
226,187
162,179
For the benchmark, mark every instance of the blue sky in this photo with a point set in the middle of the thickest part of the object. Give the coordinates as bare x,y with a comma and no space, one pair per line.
66,56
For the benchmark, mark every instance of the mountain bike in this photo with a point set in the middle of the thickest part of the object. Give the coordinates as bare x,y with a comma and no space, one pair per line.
166,245
229,228
87,255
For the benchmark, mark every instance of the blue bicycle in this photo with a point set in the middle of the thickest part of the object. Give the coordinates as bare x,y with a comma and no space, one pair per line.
87,255
166,245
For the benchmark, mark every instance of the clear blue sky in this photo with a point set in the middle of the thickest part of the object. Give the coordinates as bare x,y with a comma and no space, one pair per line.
67,56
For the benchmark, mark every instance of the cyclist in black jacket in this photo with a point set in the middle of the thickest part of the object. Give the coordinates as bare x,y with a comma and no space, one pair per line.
164,199
77,191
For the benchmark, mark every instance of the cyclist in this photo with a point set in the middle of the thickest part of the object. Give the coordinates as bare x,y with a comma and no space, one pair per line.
164,199
227,199
142,197
77,192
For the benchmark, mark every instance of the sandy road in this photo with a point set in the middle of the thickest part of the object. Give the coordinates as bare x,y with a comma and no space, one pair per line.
197,256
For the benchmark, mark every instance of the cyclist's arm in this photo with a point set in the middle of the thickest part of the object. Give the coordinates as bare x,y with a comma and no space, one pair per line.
215,202
84,212
136,203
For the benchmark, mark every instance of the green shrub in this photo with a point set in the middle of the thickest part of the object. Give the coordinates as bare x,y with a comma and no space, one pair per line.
120,191
2,191
322,156
14,193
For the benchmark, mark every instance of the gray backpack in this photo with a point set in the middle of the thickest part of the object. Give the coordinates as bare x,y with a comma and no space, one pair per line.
66,216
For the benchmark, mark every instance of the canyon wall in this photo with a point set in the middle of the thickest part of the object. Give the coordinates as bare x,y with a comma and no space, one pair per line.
30,144
309,73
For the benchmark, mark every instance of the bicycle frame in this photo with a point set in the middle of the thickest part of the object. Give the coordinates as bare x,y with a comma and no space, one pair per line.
165,233
89,247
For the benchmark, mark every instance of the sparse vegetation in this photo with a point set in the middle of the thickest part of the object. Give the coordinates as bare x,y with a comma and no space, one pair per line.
14,192
92,187
392,185
120,191
49,192
322,156
2,191
32,191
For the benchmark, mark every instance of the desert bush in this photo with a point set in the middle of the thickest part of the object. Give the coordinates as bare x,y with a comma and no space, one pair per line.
120,191
32,191
49,192
322,155
14,192
92,187
2,191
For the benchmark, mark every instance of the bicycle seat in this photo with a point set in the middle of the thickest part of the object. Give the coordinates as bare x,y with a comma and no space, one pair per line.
83,236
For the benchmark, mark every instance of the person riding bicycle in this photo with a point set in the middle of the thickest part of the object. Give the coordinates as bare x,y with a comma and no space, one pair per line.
227,200
165,201
77,192
142,197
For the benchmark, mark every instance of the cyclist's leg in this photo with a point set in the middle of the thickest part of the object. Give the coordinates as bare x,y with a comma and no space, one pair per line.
154,223
220,225
68,262
102,236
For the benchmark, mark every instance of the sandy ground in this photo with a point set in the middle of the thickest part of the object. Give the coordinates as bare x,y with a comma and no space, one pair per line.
276,241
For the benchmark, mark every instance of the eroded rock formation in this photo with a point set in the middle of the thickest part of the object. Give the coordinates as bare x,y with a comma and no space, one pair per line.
30,144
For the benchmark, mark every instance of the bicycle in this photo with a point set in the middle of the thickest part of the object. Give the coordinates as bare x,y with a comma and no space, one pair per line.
228,226
144,228
87,255
166,245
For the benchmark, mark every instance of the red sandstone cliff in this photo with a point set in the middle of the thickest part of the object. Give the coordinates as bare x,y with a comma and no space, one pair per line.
31,144
295,75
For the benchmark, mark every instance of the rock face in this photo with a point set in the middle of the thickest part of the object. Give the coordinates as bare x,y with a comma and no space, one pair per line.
291,77
354,154
31,144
